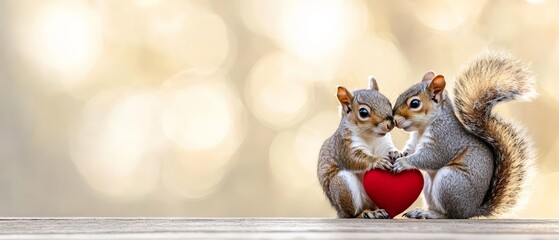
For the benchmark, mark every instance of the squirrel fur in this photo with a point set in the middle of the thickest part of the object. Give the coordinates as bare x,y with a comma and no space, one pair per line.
361,142
475,163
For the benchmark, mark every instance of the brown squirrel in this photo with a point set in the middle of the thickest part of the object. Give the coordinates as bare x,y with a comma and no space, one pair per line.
475,163
361,142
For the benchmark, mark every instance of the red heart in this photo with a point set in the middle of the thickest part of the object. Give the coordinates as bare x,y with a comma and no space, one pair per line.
393,192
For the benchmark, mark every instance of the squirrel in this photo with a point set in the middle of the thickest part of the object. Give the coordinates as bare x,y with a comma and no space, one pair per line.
362,142
475,163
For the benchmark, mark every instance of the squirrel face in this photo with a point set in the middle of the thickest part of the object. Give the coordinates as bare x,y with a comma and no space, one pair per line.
367,110
414,108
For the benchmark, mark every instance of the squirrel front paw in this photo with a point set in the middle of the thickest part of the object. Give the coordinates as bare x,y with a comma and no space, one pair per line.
401,164
384,163
393,155
407,152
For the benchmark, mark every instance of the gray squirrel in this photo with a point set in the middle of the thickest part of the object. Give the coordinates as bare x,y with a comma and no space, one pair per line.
361,142
475,163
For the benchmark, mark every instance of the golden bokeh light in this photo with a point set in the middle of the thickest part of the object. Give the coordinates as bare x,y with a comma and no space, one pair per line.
311,136
381,58
64,37
293,155
189,35
196,125
205,121
549,83
117,144
147,3
541,14
168,134
194,175
446,15
200,112
315,30
183,34
541,196
262,17
535,1
284,164
278,93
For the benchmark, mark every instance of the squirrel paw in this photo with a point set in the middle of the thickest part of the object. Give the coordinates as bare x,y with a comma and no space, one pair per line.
384,163
376,214
407,152
400,165
419,213
393,155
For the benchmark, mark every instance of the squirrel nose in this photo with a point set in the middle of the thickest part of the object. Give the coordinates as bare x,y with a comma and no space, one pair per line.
397,120
390,125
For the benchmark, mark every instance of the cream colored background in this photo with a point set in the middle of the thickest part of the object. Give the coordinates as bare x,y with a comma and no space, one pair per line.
218,108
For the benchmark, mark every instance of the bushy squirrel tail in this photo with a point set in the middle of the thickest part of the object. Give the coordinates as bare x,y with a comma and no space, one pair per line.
491,78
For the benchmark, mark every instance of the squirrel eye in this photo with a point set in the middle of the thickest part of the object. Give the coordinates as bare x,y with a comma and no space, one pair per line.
363,113
415,103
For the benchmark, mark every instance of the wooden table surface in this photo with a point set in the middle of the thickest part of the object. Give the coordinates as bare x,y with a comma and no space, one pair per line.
274,228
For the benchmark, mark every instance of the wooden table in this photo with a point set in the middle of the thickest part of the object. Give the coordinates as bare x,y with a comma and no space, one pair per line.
273,228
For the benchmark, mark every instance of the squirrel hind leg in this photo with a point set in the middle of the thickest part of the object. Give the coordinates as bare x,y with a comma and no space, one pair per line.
341,198
419,213
349,193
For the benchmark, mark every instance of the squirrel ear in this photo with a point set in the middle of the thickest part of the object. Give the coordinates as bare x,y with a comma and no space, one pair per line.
428,76
373,83
437,87
344,96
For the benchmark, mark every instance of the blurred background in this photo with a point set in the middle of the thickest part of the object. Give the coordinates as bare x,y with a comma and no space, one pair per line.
219,108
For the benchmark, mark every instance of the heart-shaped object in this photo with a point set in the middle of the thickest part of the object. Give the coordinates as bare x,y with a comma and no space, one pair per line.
393,192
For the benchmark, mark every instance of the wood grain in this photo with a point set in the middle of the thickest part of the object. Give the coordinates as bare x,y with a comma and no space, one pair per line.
273,228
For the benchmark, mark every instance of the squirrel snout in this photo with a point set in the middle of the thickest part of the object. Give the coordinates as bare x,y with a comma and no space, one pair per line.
390,125
387,125
398,121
